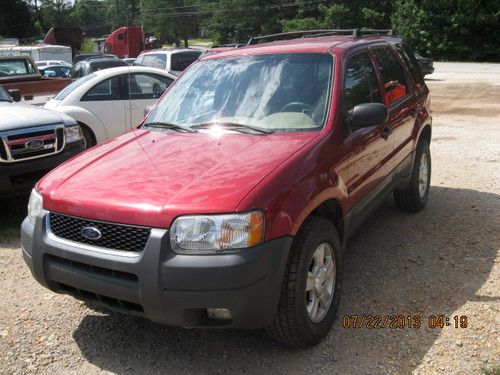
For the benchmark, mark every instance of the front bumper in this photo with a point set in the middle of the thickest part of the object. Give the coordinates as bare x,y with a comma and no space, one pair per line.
20,177
159,284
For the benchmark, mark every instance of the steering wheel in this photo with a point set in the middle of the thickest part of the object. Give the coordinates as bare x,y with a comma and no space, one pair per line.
296,107
157,91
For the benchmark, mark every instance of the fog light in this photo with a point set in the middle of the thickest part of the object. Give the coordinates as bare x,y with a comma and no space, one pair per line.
219,314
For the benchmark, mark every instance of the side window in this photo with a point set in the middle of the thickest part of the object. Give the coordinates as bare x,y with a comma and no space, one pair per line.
409,57
361,84
147,86
155,61
393,76
108,89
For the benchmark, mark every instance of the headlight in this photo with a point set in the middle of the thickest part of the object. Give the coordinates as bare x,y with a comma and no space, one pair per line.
35,205
72,133
216,233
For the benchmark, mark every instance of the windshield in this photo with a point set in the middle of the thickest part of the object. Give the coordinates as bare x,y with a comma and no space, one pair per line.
68,89
280,92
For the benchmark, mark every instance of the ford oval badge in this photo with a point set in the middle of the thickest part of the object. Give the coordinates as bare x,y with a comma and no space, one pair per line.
34,144
91,233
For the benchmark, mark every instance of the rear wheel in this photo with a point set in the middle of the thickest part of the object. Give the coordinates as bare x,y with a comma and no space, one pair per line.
414,197
311,287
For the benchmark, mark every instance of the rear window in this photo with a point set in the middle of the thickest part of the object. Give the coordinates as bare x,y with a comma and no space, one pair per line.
100,65
65,92
16,67
408,56
181,60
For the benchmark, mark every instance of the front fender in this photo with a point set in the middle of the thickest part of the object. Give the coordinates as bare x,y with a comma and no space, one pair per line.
88,118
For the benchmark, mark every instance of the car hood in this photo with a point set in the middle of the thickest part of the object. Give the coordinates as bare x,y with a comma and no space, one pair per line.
150,178
17,115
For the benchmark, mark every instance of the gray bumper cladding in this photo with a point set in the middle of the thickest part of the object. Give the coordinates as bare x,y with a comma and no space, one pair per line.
159,284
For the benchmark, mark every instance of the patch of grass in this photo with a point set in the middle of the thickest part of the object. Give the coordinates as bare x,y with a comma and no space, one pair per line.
12,213
200,41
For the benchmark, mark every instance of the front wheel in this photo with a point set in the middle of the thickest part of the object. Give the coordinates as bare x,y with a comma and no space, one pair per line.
311,287
414,197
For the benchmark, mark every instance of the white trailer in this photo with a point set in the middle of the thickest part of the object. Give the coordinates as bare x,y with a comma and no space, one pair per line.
40,52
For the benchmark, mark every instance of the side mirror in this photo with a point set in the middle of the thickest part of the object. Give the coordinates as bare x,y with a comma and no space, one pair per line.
15,94
367,114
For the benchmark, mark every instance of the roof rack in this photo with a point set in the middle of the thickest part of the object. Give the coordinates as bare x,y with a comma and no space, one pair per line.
354,33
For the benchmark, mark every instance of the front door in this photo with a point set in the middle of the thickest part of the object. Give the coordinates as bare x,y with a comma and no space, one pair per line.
107,100
369,148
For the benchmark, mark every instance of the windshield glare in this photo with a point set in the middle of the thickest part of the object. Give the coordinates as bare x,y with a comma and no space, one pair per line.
280,92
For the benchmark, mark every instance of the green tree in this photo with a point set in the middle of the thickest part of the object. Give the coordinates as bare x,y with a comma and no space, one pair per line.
451,29
16,19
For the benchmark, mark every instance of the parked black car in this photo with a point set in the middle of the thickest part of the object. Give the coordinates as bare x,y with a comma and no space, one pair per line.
86,56
86,67
426,64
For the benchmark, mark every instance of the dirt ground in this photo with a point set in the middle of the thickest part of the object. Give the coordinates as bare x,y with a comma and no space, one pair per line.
444,260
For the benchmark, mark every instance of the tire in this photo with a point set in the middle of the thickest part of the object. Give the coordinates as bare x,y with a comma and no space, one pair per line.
88,136
413,197
293,324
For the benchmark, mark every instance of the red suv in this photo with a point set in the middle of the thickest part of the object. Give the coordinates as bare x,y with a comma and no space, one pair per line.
231,204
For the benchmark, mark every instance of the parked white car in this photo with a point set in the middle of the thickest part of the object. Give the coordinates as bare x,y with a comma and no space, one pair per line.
109,102
45,63
173,60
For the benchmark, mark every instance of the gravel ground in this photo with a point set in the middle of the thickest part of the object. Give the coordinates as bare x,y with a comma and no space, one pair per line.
444,260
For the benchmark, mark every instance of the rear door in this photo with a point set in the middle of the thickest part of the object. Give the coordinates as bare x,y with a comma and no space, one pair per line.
144,89
107,100
399,98
369,147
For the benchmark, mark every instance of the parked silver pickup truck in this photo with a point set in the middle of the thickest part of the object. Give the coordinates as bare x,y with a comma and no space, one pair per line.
33,140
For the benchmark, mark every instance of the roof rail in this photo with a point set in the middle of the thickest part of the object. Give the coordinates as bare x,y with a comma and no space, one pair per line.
354,33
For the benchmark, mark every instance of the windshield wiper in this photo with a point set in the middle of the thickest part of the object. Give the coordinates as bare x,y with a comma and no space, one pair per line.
168,125
233,125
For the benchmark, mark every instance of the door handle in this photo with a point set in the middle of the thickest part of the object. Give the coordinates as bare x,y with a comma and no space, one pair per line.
386,132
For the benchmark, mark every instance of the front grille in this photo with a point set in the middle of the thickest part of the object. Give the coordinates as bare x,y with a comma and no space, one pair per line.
30,143
112,304
113,236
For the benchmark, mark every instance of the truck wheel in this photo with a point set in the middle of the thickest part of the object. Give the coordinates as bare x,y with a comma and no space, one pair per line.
311,286
414,197
88,136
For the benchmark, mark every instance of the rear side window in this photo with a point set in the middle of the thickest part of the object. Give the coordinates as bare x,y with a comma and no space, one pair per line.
394,81
181,60
409,57
109,89
155,60
361,84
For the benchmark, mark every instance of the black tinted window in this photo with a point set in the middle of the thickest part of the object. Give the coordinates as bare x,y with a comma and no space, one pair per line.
108,89
100,65
182,60
360,82
394,80
409,57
